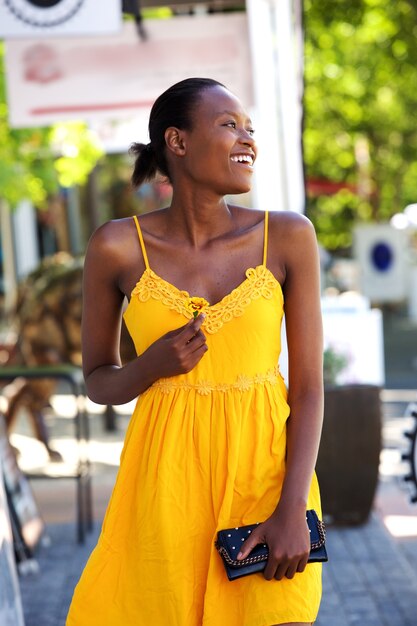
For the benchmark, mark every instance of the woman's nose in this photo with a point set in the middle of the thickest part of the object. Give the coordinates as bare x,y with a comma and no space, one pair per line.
247,138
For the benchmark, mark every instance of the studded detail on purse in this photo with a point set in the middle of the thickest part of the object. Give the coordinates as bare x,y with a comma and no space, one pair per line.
230,540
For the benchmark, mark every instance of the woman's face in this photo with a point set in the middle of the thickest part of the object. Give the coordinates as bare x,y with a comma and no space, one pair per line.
220,148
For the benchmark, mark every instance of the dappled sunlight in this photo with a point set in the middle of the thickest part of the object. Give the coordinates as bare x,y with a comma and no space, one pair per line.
104,452
391,463
401,526
32,455
64,405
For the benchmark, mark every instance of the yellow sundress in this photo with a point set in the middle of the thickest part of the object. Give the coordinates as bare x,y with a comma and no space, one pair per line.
203,451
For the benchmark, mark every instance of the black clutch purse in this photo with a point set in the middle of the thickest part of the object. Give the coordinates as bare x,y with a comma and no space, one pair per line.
229,542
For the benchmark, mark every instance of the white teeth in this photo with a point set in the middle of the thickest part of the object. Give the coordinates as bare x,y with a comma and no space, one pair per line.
242,158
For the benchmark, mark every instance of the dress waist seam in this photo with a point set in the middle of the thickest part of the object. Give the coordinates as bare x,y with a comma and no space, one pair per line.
243,383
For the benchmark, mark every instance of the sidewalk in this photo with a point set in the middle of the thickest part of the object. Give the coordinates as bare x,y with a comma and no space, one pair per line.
368,580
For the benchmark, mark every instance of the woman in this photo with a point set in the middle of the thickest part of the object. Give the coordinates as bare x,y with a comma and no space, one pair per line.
211,444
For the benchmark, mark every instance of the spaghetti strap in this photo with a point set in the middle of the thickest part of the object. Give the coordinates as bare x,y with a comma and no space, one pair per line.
142,243
265,239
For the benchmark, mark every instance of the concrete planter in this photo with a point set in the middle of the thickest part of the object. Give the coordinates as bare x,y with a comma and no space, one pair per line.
348,460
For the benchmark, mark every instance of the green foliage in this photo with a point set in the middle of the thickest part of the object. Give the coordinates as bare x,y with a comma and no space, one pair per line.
157,13
35,161
79,152
360,103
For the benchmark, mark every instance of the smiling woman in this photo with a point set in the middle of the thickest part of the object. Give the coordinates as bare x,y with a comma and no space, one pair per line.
211,444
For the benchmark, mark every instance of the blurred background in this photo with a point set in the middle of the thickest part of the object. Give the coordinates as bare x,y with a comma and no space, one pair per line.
331,90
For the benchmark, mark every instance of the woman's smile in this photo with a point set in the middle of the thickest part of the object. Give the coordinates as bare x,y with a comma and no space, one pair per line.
243,159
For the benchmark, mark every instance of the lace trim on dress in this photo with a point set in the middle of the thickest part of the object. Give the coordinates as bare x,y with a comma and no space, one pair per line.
205,387
259,283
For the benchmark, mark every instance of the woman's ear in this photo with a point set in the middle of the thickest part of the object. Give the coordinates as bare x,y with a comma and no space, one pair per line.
175,141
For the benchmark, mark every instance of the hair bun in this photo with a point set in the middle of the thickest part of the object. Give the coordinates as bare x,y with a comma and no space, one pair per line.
145,166
138,148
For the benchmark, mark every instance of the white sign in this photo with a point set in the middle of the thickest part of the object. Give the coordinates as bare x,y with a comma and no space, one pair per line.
380,251
120,76
353,330
49,18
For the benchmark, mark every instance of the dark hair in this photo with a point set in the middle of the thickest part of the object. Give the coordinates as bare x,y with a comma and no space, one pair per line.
172,108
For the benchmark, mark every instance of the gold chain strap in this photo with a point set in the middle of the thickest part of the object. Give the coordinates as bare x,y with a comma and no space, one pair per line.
248,561
322,536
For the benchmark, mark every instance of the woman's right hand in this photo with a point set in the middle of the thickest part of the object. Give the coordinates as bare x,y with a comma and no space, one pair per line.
178,351
108,381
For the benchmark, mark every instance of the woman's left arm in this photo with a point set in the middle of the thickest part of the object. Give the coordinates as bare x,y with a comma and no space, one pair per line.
305,360
294,255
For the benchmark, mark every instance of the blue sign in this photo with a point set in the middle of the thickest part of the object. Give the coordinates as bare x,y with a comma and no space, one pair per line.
382,256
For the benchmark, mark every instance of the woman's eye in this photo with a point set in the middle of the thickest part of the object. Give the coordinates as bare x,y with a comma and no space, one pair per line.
250,131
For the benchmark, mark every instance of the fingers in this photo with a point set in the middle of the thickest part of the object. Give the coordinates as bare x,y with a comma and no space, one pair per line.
178,351
197,342
187,346
190,330
284,570
279,565
274,570
292,569
249,544
302,564
192,336
279,568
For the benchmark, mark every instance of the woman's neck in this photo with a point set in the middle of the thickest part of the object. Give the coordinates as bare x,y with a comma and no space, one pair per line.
197,218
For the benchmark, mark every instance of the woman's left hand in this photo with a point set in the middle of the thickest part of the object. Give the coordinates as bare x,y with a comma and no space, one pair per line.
288,539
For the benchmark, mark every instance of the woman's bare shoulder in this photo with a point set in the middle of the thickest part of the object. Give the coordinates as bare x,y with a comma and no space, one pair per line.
112,239
286,222
109,254
111,233
291,237
289,221
290,227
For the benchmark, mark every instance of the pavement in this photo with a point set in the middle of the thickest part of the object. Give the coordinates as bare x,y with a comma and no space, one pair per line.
371,576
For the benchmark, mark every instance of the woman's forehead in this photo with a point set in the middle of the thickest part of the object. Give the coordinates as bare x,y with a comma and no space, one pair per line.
217,101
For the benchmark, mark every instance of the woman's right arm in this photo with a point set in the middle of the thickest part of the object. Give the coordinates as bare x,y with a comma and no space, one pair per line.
107,381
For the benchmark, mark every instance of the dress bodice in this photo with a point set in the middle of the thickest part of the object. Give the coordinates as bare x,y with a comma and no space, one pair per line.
243,329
